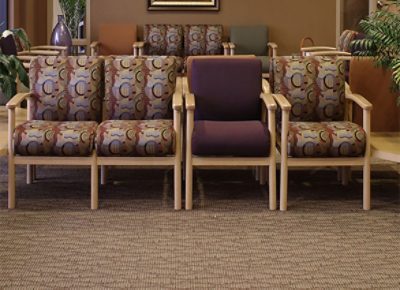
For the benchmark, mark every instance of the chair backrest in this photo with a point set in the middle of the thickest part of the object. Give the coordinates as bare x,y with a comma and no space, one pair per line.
226,89
250,39
203,39
314,85
345,39
139,88
117,39
66,88
163,39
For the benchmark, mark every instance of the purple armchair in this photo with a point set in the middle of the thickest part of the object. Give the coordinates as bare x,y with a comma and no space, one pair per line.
226,119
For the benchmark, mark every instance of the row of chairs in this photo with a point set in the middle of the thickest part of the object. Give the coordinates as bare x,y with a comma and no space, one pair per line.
129,111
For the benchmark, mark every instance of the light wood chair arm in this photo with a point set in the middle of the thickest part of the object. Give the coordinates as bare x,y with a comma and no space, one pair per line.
39,52
177,98
232,48
26,57
49,47
331,53
225,45
94,44
282,102
266,87
190,102
317,48
138,44
358,99
273,49
17,100
268,101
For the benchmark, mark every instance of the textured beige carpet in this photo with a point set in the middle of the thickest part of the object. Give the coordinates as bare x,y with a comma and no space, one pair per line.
229,241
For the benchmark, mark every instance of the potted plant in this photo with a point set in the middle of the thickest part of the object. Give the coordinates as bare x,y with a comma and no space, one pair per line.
376,72
74,12
11,71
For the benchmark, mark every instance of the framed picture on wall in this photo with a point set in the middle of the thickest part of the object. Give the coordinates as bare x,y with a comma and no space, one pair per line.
212,5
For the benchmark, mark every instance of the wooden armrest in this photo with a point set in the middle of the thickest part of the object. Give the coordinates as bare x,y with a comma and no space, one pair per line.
268,101
272,45
282,102
190,102
273,49
358,99
177,99
17,100
39,52
25,57
330,53
266,87
316,48
138,44
231,45
95,44
225,45
49,47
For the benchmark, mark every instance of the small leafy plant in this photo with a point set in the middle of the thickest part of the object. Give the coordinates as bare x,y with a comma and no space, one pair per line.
11,69
74,12
382,41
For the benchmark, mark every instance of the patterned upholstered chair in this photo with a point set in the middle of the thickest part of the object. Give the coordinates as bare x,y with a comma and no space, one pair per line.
227,114
344,48
115,39
142,115
253,40
203,39
315,127
162,39
64,107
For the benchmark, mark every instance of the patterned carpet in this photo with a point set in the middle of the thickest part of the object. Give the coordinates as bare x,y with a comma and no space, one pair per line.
231,240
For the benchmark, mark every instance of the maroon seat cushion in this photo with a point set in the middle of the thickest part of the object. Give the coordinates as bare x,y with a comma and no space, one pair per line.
235,138
226,89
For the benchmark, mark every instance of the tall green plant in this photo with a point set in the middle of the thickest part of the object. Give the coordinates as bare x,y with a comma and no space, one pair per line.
382,41
74,12
11,69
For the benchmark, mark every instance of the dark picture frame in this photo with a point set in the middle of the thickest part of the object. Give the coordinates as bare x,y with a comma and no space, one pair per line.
208,5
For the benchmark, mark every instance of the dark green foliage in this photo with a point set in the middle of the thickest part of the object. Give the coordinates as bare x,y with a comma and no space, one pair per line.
382,42
74,12
11,69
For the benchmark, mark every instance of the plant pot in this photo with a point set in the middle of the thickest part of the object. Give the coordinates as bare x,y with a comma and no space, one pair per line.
375,84
61,35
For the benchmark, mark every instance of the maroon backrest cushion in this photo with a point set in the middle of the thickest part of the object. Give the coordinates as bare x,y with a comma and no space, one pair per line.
227,89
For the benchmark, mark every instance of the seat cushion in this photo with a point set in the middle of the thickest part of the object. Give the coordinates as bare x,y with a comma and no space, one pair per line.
238,138
144,138
49,138
326,139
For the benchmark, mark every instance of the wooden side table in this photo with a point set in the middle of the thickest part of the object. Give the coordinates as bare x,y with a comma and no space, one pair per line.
386,146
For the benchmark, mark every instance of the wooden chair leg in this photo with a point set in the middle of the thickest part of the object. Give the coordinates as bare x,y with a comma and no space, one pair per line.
257,173
94,185
284,184
178,184
272,186
189,185
30,174
103,174
11,183
367,186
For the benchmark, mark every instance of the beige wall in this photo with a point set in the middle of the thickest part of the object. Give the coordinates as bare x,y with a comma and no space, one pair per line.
288,20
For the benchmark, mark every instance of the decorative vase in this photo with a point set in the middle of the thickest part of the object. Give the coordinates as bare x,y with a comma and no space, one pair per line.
61,35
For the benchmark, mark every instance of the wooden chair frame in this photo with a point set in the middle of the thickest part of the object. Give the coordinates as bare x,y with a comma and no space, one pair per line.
198,161
364,161
174,161
31,161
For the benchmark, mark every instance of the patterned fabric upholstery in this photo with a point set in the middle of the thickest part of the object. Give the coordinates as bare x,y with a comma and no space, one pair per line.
326,139
315,86
139,88
163,39
135,138
49,138
203,39
345,39
66,88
